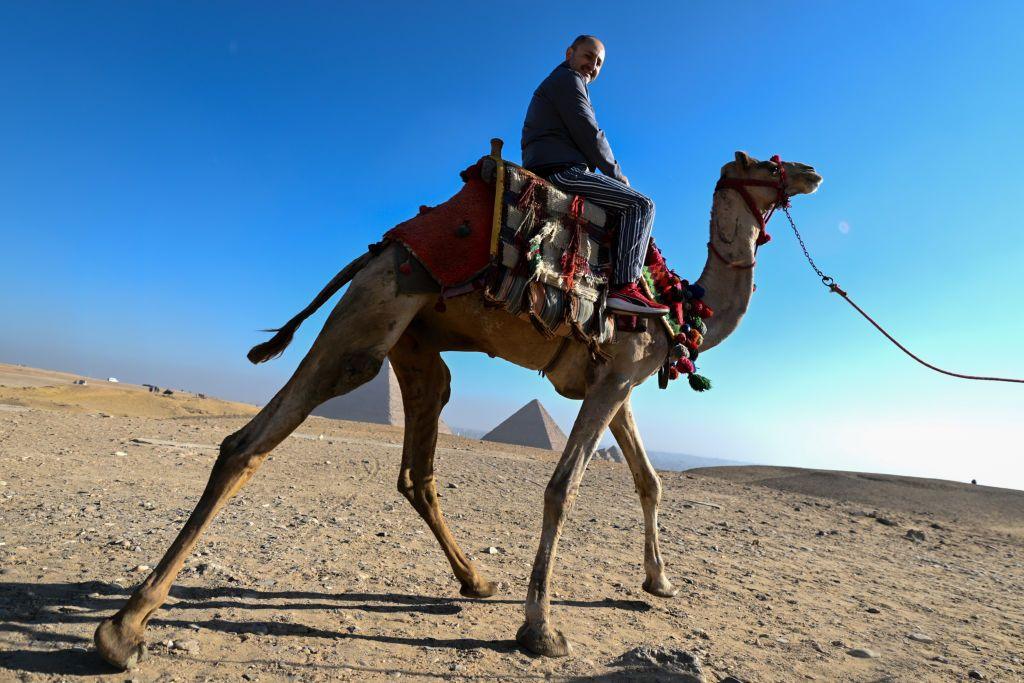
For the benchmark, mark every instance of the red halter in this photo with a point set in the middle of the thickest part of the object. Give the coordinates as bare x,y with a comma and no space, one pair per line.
741,185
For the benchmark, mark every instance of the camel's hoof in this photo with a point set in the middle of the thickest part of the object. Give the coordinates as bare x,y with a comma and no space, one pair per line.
118,645
483,590
543,640
663,588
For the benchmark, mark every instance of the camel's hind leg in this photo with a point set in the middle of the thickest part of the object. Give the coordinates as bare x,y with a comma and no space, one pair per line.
425,383
348,352
649,487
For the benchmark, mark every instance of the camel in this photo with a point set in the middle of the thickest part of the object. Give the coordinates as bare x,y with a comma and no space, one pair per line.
372,321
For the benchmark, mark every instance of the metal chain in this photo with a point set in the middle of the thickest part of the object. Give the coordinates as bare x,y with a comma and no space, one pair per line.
825,279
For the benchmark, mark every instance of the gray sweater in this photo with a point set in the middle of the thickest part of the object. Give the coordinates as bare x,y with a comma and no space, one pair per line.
561,130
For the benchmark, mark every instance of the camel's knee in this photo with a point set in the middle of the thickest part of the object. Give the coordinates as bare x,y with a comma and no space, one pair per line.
237,453
652,490
421,493
557,496
648,486
424,493
405,486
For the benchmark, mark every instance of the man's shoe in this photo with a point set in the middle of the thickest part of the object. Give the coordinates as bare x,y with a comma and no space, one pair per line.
630,299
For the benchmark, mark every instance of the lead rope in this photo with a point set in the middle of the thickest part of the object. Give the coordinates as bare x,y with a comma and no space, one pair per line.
833,287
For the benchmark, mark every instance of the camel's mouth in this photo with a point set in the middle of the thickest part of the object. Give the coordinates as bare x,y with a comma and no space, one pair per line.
805,182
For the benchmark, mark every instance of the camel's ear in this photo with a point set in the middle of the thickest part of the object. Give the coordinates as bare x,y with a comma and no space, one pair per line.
743,160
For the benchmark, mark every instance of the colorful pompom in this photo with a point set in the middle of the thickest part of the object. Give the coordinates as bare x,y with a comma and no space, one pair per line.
688,312
699,382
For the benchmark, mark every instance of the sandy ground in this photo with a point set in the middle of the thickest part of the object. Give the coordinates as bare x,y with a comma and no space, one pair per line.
319,570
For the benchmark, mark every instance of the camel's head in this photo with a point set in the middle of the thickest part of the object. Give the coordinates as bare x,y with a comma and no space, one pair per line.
799,178
750,191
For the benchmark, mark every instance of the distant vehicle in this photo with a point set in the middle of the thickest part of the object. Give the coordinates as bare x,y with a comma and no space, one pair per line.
113,379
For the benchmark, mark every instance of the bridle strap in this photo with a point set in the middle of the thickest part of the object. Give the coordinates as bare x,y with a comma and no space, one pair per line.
741,185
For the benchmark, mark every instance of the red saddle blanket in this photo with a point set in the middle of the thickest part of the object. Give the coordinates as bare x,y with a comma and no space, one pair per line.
452,240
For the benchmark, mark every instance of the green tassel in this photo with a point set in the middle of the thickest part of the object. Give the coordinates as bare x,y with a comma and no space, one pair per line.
699,382
649,279
697,324
645,272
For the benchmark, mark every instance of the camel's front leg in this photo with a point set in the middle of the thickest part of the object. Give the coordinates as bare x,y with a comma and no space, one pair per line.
602,401
649,487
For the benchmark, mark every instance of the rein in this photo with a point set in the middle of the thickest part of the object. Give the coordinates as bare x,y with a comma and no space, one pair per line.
829,282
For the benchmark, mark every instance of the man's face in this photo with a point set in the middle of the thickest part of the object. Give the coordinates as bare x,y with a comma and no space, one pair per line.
587,58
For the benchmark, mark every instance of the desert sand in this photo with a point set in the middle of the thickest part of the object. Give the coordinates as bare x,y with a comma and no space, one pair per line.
319,570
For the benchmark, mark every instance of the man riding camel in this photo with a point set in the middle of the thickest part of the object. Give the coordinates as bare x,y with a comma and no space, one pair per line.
563,143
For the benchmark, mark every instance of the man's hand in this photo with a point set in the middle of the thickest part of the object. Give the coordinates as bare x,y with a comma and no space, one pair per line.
625,180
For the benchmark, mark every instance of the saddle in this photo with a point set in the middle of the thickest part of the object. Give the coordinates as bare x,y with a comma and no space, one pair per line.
536,251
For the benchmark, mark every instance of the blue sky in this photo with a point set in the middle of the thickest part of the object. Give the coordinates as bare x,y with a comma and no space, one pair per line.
175,177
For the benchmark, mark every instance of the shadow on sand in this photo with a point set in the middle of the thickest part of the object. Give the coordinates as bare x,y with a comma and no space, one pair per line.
37,610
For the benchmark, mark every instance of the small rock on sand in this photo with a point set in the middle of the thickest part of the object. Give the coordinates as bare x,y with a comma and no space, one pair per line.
862,653
681,665
185,645
920,638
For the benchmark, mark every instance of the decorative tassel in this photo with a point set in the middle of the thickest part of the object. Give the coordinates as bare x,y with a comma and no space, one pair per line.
699,382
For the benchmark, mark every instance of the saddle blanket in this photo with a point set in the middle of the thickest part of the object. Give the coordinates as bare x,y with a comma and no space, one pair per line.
552,259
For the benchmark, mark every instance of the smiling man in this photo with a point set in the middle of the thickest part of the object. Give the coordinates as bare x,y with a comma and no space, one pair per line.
563,143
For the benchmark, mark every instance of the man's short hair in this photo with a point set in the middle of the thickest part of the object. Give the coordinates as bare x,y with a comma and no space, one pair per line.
582,39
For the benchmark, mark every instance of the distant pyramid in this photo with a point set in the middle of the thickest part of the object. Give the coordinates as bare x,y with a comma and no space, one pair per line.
611,454
531,425
378,401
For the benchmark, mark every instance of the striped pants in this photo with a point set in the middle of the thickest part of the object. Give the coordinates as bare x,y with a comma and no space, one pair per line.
636,212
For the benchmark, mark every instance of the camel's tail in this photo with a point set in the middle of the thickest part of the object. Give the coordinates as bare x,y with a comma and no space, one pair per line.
276,345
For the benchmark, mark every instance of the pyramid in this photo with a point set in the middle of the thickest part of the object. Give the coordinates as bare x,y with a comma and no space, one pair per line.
611,454
531,425
378,401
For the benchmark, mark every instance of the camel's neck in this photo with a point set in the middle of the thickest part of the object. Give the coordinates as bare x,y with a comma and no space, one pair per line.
728,290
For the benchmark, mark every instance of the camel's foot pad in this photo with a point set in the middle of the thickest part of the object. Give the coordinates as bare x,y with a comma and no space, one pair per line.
120,646
543,640
662,588
484,589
